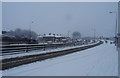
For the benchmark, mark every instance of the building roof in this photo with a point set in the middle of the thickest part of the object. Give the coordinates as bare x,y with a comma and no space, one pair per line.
58,36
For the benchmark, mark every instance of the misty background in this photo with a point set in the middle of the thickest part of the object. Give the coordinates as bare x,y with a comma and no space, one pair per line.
61,17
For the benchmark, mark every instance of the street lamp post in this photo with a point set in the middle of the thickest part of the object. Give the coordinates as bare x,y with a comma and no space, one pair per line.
94,34
115,27
68,33
30,30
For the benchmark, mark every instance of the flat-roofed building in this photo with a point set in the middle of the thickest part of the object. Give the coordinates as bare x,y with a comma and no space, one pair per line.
52,39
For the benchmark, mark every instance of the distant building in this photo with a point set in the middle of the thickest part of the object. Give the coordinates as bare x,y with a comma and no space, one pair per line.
52,39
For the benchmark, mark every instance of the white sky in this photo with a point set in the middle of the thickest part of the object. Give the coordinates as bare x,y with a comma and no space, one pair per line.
61,18
60,0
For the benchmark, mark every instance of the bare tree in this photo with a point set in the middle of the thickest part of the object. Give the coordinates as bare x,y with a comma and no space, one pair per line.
20,34
76,35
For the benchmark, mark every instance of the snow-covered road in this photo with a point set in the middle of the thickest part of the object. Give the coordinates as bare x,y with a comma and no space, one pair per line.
98,61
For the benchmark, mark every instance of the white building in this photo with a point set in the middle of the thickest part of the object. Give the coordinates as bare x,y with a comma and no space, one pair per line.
52,39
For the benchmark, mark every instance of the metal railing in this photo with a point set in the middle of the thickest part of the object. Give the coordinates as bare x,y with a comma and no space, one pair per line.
22,48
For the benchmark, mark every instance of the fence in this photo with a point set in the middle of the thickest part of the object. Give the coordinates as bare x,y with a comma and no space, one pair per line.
21,48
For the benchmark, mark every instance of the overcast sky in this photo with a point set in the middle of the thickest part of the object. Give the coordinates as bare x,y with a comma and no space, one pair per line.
61,18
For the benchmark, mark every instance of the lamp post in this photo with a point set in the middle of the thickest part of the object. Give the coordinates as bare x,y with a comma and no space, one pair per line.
94,34
69,33
30,30
115,27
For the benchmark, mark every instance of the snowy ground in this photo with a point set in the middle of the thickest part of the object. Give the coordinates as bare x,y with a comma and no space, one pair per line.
98,61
